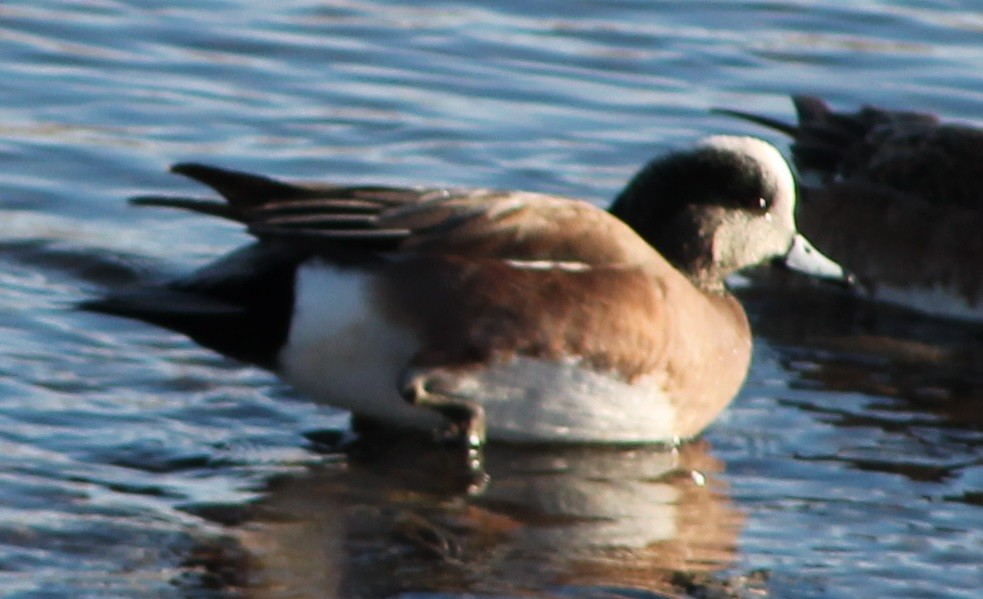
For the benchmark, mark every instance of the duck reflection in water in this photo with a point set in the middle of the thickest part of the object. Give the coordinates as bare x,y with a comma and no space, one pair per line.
391,521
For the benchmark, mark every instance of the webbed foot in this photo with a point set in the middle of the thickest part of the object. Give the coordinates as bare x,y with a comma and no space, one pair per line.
465,418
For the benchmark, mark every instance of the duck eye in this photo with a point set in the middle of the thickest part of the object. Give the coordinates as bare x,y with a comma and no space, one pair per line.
759,204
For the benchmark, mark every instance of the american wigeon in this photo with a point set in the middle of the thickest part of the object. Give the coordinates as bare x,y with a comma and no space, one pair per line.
897,198
557,320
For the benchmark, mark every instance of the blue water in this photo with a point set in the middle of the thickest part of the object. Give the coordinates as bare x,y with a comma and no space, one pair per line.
135,464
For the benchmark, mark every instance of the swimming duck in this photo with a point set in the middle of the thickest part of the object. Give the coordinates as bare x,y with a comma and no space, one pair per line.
536,318
896,197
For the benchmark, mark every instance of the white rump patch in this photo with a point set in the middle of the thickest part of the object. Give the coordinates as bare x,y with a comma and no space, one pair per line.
342,352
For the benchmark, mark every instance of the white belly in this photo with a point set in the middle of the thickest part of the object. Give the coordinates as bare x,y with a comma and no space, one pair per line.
342,353
529,400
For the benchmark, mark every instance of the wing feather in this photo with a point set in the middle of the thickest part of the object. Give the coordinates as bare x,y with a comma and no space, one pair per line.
473,223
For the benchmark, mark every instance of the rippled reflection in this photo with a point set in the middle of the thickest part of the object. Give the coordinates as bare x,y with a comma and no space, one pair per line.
388,523
136,464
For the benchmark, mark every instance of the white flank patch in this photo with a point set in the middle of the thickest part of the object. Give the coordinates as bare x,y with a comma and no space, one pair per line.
341,352
528,399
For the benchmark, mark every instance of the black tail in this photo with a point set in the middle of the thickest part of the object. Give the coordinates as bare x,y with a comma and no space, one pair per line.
239,306
242,190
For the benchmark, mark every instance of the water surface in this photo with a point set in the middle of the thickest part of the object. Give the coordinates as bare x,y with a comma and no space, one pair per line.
136,464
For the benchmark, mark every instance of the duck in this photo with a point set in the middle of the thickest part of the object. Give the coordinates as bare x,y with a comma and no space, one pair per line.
894,196
484,314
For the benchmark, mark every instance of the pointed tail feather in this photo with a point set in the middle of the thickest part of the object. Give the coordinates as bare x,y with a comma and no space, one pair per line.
242,190
786,128
198,205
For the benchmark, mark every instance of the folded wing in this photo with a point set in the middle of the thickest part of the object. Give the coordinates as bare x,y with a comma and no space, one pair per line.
474,223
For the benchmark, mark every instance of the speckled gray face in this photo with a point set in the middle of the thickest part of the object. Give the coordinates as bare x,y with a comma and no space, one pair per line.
766,228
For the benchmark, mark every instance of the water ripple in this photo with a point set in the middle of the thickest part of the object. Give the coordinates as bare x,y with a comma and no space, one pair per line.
850,461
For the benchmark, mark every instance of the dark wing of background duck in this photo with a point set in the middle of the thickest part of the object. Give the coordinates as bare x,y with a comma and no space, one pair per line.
899,196
911,154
